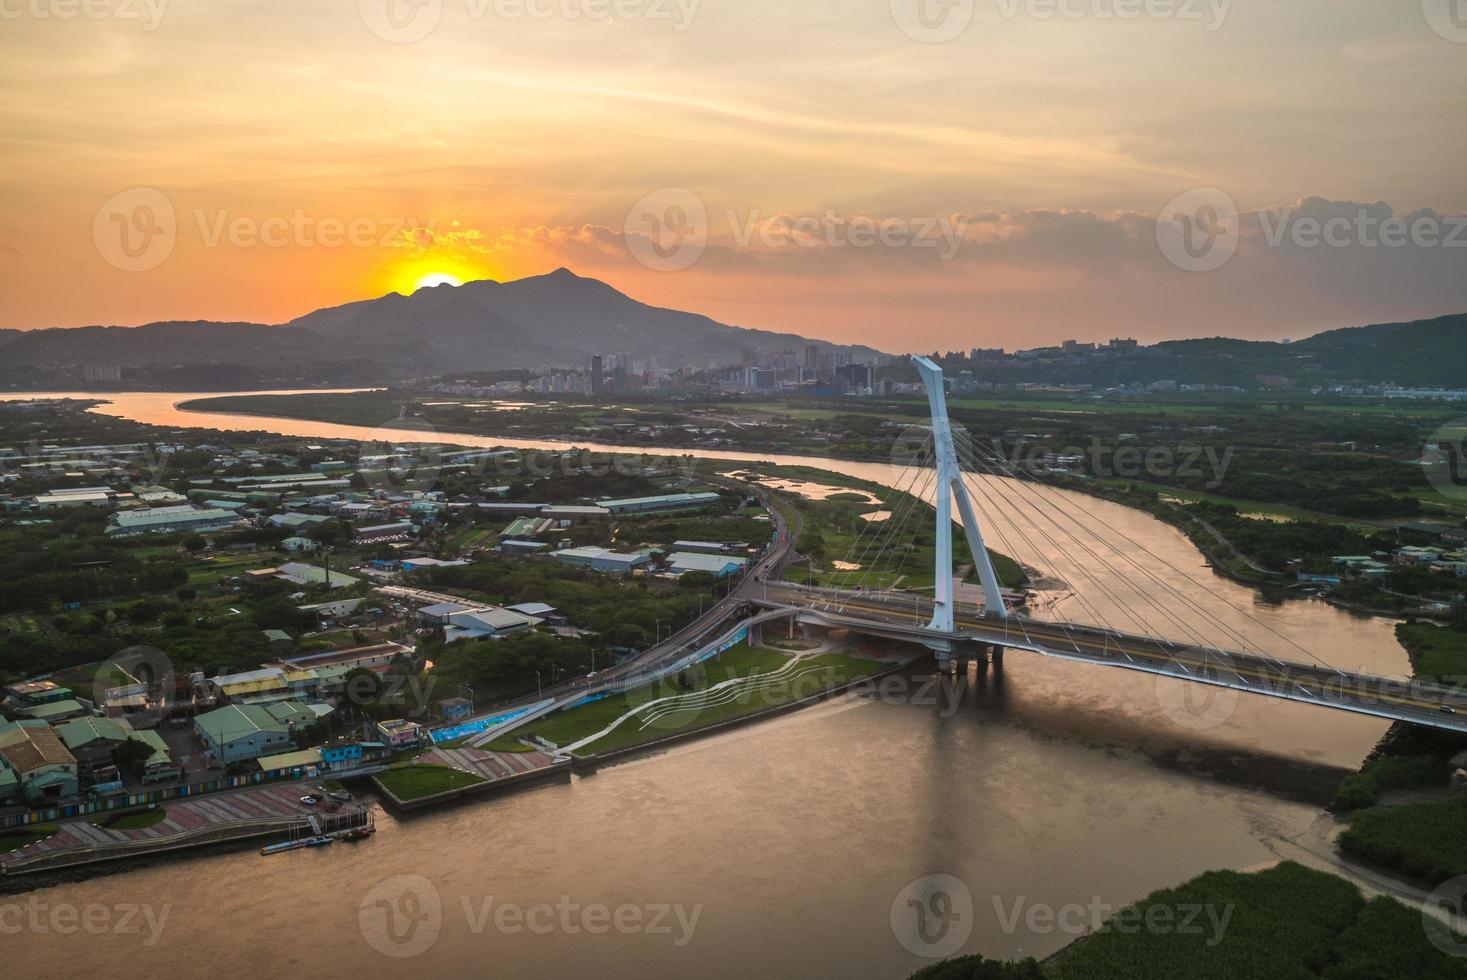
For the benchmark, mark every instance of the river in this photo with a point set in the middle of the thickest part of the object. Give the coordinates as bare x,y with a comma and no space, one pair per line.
784,849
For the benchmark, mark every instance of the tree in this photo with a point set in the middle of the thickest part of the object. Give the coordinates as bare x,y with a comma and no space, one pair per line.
132,755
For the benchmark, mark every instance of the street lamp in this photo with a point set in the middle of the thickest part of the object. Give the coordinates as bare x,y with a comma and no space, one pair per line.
539,692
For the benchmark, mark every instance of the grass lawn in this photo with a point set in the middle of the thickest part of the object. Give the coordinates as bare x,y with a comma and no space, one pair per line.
415,782
210,572
1438,652
130,821
13,840
571,726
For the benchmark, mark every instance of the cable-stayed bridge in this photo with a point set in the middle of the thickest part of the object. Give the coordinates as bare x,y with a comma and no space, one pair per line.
1142,612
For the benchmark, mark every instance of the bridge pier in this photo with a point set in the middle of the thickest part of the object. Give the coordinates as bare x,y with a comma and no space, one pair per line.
997,657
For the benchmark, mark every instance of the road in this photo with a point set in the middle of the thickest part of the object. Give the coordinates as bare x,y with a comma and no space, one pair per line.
713,621
1417,702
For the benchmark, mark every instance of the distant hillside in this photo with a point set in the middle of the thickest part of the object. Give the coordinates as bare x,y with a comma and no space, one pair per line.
562,319
559,319
1422,353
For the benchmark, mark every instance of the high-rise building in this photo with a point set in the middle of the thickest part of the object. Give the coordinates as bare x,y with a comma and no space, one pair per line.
597,375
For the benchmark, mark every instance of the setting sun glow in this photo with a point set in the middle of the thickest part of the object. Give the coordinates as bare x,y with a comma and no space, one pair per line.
437,279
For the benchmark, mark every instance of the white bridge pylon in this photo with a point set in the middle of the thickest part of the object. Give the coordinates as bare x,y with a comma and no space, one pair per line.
950,488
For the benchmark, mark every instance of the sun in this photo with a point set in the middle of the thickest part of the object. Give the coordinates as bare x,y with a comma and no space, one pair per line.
437,279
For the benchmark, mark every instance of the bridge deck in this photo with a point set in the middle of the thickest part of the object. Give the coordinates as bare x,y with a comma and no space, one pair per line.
1399,699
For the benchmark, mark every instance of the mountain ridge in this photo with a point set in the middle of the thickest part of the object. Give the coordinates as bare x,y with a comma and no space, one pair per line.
558,319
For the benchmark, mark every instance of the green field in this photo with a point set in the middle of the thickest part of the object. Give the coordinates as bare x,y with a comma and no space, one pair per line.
131,821
568,727
14,840
1437,652
413,782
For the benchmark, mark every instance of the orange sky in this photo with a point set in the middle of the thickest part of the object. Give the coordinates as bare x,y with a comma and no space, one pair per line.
806,166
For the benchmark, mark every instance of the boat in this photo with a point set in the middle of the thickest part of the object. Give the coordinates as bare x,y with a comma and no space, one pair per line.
356,833
316,840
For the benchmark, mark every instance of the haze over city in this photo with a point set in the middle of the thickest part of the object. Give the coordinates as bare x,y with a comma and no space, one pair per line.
519,143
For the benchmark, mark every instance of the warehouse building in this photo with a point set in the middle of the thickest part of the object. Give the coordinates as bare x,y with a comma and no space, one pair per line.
167,520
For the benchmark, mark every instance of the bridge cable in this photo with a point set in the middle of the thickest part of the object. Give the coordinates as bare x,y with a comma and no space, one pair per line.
879,530
895,530
1018,475
973,483
1115,598
997,527
1197,638
874,528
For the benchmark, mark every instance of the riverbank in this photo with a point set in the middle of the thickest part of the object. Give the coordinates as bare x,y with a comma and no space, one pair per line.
1407,811
1222,554
193,823
1285,920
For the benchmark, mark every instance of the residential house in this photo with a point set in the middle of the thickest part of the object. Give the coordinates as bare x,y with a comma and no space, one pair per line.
39,767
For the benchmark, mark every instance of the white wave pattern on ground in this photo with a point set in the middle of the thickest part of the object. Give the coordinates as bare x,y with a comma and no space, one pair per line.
720,693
